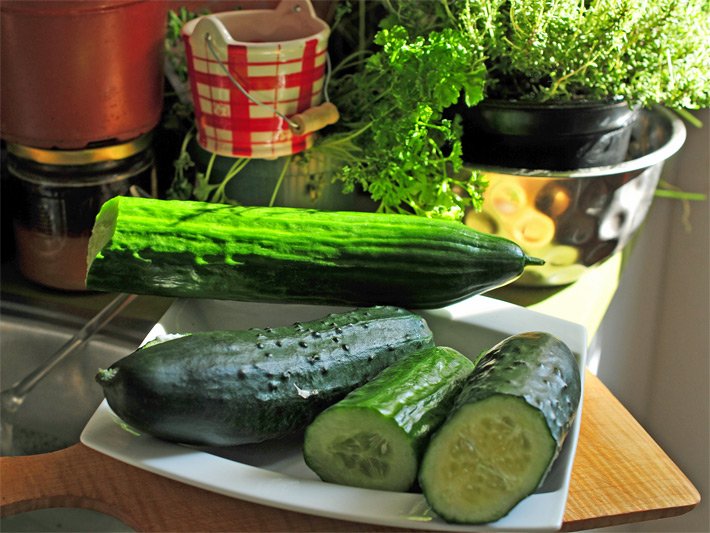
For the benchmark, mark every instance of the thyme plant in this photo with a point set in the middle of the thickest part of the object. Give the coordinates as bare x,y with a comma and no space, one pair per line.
644,52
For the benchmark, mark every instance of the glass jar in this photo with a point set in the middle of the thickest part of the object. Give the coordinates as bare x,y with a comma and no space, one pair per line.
56,197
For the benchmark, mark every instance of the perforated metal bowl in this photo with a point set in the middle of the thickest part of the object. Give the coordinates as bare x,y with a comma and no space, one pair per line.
577,219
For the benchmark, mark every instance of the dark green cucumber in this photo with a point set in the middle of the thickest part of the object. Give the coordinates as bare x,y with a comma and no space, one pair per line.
195,249
375,436
224,388
505,431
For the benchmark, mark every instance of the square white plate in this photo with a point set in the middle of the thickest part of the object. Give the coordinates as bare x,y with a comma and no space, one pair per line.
274,473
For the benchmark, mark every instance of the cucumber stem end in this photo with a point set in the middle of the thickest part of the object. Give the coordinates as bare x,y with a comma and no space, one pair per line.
106,376
535,261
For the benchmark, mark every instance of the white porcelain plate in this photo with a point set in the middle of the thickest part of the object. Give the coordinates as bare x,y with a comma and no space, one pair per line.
274,473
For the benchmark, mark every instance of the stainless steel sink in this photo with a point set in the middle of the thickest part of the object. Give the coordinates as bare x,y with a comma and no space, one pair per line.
56,410
64,519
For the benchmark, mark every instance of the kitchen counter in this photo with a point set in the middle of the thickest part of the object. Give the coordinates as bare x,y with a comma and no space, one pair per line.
620,474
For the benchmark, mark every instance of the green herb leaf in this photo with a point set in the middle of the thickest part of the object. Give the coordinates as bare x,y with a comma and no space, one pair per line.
407,148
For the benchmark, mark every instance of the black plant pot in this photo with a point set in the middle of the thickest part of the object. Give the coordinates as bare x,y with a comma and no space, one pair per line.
546,136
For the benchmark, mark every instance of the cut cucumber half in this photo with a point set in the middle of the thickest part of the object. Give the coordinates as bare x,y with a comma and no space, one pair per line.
487,457
363,450
505,430
374,438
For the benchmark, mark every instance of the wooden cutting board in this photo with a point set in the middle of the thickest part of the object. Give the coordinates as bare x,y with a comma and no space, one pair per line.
620,475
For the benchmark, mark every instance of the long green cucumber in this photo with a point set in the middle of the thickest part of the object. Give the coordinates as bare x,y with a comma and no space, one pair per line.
375,436
223,388
505,431
196,249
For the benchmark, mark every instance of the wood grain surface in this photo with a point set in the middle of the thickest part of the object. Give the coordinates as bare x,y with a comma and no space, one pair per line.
620,475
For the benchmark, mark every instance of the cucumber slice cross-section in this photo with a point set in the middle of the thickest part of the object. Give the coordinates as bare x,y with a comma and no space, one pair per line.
374,438
488,457
503,434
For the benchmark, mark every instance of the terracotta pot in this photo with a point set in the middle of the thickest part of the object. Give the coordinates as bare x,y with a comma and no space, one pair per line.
75,73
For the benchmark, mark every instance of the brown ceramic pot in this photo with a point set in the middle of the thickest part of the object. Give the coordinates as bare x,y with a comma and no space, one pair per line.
77,72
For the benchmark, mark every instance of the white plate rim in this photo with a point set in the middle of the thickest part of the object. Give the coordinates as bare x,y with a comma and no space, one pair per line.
538,512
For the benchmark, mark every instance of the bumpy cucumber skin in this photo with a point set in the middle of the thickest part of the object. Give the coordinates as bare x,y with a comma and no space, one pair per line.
534,366
236,387
415,393
195,249
537,367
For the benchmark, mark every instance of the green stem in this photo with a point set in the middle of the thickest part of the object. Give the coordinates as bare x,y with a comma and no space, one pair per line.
287,164
236,168
680,195
449,14
535,261
688,117
349,137
186,140
362,14
221,194
352,59
210,164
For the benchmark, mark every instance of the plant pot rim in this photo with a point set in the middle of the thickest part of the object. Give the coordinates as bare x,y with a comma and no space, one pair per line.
676,139
524,105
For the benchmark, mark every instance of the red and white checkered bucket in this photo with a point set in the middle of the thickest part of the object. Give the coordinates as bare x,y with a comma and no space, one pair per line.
251,70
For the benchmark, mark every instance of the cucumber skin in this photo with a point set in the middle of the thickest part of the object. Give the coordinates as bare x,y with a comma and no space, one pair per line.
416,393
534,366
236,387
290,255
537,367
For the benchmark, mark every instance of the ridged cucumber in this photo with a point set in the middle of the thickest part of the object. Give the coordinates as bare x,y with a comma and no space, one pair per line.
205,250
505,431
375,436
223,388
